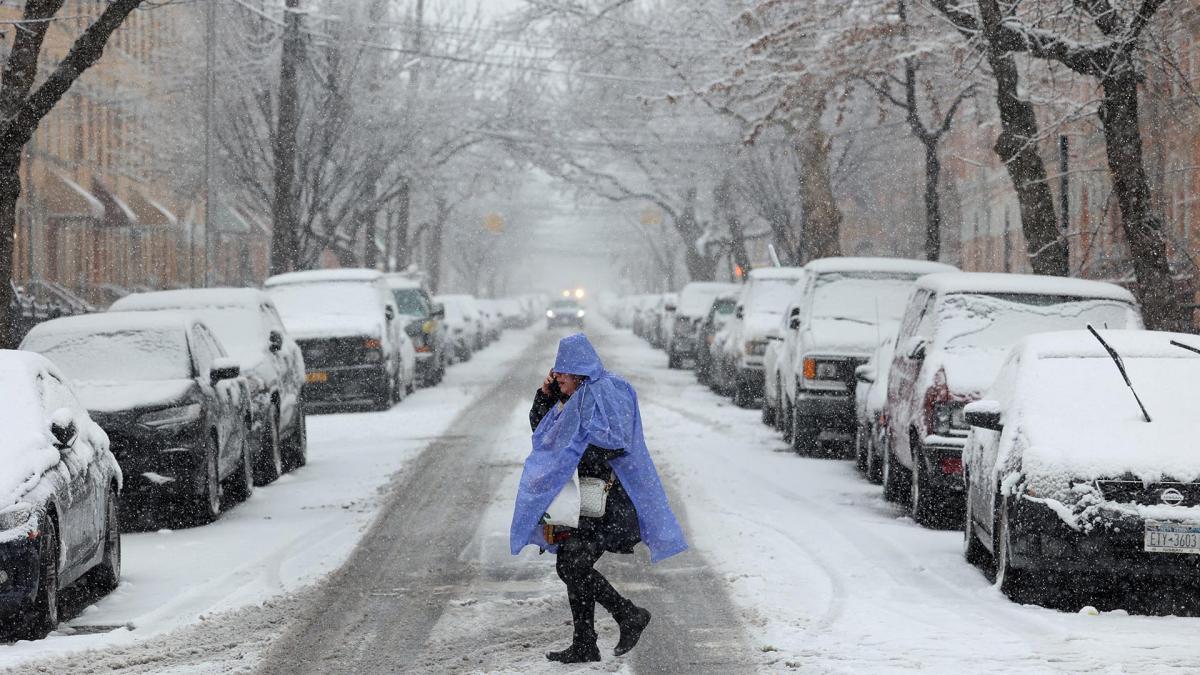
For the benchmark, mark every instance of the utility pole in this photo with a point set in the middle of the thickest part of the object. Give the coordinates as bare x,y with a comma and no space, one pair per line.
283,214
403,249
210,95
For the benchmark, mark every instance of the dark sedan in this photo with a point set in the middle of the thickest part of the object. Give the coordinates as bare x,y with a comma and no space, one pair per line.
59,491
174,407
565,312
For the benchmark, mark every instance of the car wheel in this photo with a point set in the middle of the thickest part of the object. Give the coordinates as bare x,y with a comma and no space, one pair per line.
804,436
296,452
768,414
1012,581
106,576
785,425
894,477
673,361
874,466
41,616
973,549
270,453
206,507
241,483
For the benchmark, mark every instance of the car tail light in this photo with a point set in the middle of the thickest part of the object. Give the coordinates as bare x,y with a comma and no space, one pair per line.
424,349
952,465
371,343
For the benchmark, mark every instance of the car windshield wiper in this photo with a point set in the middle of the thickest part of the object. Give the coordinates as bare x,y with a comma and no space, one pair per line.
848,318
1121,367
1187,347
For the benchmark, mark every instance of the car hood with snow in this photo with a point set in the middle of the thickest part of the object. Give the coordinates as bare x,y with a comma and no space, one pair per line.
112,396
313,326
1073,424
846,336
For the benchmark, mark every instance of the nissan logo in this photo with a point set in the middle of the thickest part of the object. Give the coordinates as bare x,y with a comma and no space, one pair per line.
1171,496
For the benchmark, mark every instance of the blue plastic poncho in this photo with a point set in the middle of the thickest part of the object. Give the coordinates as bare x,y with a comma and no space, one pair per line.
602,412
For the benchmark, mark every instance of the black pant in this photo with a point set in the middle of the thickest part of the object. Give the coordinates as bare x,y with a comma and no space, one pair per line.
586,587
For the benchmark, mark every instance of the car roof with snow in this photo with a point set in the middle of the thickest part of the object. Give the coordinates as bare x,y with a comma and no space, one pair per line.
396,280
324,276
885,265
108,322
192,298
777,272
1024,284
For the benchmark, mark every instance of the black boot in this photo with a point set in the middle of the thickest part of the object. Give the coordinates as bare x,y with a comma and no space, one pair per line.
631,630
578,652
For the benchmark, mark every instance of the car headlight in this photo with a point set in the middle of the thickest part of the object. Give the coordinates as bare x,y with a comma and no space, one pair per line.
15,516
949,416
549,314
579,314
171,417
756,347
822,369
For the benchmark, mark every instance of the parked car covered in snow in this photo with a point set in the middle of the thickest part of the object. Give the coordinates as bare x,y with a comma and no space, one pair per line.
848,304
776,366
176,411
423,321
248,325
955,333
695,300
719,315
662,318
356,352
59,492
1068,474
462,322
764,297
870,400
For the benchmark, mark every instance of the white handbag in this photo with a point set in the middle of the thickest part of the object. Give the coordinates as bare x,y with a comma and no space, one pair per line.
593,496
580,497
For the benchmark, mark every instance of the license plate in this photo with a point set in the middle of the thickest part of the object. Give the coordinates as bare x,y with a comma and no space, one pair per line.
1172,538
316,376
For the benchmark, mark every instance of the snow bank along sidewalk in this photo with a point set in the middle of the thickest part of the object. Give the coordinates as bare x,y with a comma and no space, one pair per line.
289,534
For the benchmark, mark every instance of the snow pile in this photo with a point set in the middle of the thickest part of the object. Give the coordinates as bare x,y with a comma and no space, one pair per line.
1079,422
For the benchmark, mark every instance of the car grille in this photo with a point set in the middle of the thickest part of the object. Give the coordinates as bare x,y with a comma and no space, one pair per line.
1137,492
333,352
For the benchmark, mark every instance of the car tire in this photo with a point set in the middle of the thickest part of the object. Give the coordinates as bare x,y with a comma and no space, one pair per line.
296,450
973,550
922,499
768,414
804,437
1013,583
785,425
106,576
874,465
241,483
206,507
41,616
742,397
269,464
895,485
673,361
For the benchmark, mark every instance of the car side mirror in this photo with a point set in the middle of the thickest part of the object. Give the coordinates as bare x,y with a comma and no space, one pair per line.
669,308
915,349
794,323
740,312
439,311
275,341
389,312
62,428
224,368
984,414
864,374
413,329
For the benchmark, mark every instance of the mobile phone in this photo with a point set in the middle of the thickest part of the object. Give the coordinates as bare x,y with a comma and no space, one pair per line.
555,391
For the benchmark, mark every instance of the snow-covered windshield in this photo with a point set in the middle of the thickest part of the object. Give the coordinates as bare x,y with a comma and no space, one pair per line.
972,321
862,298
132,355
348,299
239,329
695,301
769,296
410,301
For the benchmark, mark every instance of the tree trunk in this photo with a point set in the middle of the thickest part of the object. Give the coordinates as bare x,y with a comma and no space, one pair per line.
933,203
700,265
1143,227
821,236
726,207
441,215
403,223
1017,147
283,212
10,191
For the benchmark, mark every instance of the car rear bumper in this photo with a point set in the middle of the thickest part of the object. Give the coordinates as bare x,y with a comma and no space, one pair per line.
832,411
346,386
1115,544
160,463
751,378
19,562
942,456
687,347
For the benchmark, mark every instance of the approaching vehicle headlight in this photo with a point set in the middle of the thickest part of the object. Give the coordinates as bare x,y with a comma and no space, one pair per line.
756,347
171,417
15,516
579,314
549,314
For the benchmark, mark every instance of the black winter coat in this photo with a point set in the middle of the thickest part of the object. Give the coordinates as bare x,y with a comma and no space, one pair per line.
617,531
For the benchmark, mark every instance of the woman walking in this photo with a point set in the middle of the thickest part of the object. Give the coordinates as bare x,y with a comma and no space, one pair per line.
587,419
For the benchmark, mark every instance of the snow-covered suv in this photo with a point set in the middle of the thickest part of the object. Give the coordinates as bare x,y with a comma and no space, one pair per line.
764,298
954,335
847,306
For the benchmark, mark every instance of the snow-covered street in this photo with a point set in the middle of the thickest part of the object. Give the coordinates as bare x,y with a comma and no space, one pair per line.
797,564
